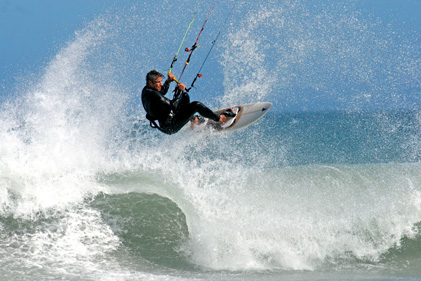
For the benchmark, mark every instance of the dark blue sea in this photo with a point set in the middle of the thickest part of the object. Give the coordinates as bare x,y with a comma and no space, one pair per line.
327,186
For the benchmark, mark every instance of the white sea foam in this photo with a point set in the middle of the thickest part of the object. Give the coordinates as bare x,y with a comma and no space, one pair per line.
69,132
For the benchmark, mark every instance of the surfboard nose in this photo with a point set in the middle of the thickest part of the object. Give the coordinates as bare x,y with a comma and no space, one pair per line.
266,106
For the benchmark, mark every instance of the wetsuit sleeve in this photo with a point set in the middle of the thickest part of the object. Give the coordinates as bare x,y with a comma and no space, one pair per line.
165,87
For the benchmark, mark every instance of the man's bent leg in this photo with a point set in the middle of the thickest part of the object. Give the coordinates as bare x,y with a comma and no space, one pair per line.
180,101
186,113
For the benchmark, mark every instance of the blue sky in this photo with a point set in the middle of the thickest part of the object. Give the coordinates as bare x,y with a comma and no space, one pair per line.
33,31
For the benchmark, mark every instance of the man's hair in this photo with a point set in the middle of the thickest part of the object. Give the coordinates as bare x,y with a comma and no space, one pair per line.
153,75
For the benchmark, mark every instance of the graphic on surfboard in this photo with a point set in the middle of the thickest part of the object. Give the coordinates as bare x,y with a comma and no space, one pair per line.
246,115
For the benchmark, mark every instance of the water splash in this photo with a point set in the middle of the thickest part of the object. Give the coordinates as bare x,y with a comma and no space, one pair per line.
307,55
54,134
72,127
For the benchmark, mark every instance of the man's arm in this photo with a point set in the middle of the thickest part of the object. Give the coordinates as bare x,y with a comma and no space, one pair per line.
167,82
165,87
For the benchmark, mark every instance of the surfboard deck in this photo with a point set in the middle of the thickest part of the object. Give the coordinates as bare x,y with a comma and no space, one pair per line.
246,115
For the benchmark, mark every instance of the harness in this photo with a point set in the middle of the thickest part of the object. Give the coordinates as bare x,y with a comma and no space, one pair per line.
153,124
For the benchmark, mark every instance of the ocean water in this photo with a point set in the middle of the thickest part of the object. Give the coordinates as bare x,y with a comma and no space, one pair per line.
88,191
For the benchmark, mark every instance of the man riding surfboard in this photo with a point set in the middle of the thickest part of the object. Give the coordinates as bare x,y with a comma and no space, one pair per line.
173,114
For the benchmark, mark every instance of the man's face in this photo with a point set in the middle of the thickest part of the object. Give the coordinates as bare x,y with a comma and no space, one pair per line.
156,85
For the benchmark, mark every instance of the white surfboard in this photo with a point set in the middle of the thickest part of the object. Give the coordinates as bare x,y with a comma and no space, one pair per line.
246,115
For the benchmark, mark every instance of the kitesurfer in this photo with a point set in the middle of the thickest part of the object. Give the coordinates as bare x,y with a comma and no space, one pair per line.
173,114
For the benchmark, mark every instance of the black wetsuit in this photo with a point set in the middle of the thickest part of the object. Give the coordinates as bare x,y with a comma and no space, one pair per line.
173,114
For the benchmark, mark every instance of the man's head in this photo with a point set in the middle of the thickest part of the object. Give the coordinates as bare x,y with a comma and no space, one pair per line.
154,80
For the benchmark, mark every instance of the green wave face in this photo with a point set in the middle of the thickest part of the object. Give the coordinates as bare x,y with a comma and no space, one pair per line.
149,226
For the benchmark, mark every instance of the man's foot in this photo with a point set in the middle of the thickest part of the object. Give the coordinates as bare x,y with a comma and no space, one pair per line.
196,120
223,119
229,113
226,115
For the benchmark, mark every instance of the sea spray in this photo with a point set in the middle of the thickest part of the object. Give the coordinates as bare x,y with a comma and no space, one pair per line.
87,185
320,56
298,218
59,132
